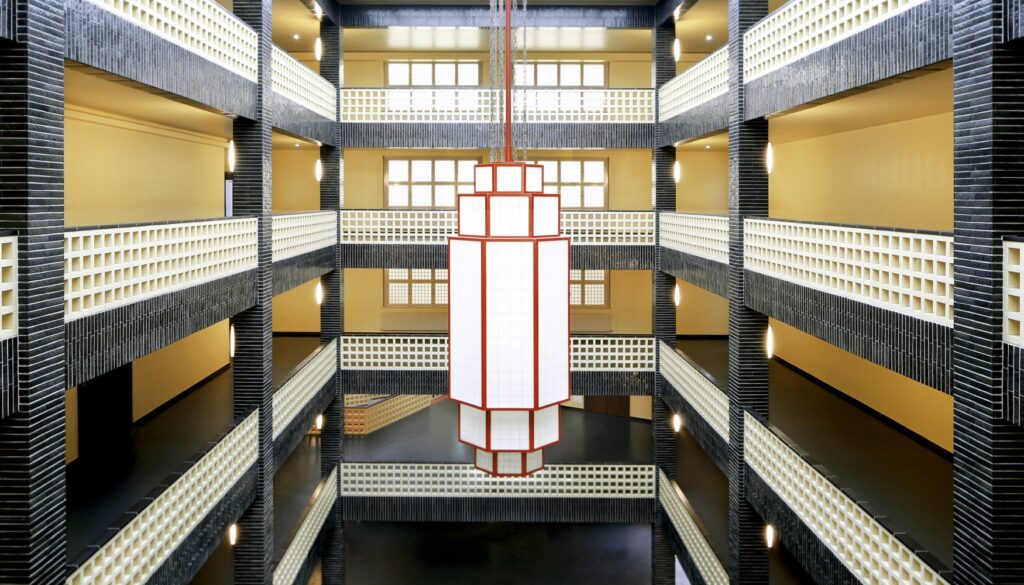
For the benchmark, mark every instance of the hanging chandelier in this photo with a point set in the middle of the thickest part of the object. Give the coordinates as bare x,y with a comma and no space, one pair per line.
508,271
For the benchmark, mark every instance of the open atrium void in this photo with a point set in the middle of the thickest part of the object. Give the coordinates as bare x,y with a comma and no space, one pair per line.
562,292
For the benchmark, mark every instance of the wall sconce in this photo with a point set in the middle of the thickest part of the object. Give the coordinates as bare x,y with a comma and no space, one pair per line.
769,535
318,49
318,294
769,158
233,534
769,342
231,156
677,50
319,423
231,341
677,422
318,170
677,295
677,171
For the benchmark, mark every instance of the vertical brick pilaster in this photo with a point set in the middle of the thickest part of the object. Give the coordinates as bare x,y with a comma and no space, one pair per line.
253,363
32,516
988,100
748,364
663,558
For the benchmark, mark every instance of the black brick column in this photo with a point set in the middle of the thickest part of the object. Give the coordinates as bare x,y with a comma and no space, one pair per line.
32,516
253,363
988,161
748,364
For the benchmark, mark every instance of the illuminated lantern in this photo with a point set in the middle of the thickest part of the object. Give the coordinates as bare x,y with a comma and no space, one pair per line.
508,271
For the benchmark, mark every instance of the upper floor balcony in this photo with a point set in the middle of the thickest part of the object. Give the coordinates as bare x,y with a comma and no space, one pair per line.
700,93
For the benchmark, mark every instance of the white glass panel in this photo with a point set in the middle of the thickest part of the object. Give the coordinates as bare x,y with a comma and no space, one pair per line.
465,338
422,274
571,171
441,293
545,421
523,75
593,171
510,179
570,75
472,216
444,196
444,74
534,460
510,429
593,196
509,330
422,73
484,179
421,293
398,74
398,274
510,463
534,183
593,74
469,74
465,188
421,196
398,195
473,425
398,294
571,196
422,171
510,216
398,171
545,216
553,323
593,294
550,170
444,171
576,294
547,74
466,171
485,460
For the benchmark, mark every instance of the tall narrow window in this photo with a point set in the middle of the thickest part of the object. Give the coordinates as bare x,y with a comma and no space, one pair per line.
588,288
418,287
427,183
582,184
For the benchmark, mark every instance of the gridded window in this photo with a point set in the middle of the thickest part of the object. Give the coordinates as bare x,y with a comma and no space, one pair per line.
433,73
582,184
427,183
562,74
588,288
421,287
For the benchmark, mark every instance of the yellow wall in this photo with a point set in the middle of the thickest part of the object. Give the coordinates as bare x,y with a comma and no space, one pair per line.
701,312
294,181
630,311
922,409
296,311
898,174
625,70
71,424
703,186
121,171
640,407
166,373
629,173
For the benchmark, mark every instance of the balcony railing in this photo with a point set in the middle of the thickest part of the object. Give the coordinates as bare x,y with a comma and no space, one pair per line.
202,26
701,83
700,393
109,267
444,480
304,539
907,272
303,385
697,545
430,352
801,27
867,549
302,85
705,236
430,227
8,287
135,553
295,234
476,105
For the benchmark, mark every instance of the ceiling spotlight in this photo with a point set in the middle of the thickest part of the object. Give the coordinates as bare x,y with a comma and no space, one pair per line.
709,38
707,147
677,50
677,422
296,145
295,37
318,49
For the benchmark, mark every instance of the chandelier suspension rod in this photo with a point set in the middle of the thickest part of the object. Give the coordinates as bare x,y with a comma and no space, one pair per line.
508,80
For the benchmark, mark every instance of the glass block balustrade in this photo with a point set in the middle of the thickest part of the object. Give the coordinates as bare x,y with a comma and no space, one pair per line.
295,234
690,534
701,83
302,85
302,542
700,393
705,236
303,385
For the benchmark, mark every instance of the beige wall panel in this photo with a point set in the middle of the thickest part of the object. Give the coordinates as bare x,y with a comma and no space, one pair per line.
296,311
294,181
640,407
701,312
71,424
703,186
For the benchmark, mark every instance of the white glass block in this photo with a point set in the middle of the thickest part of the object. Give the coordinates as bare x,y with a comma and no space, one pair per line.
444,196
399,101
571,196
576,294
421,274
464,188
472,215
398,171
421,293
523,75
547,74
441,293
468,101
466,334
444,74
398,293
466,171
592,101
570,101
484,179
440,274
485,460
593,294
553,321
473,426
571,75
510,179
398,74
444,171
550,170
422,171
545,216
592,274
510,323
593,196
593,171
469,74
545,426
398,195
422,74
593,74
510,216
422,196
510,430
510,463
534,179
445,100
572,171
398,274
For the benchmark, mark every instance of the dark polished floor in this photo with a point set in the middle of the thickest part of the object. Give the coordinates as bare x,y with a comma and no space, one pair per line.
100,491
430,435
894,472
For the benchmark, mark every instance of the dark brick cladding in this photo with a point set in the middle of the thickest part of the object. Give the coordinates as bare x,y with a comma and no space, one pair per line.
910,40
102,341
436,256
711,116
368,16
6,19
918,349
707,274
469,135
1014,19
8,377
99,38
709,439
584,383
291,117
291,272
290,438
414,509
679,549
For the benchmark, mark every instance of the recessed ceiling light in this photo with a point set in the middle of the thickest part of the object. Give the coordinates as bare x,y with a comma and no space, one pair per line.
709,38
296,145
707,147
295,37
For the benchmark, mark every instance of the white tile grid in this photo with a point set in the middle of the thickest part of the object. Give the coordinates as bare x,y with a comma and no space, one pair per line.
462,480
595,353
510,429
618,228
509,328
700,393
510,216
701,553
137,550
584,106
8,287
203,27
302,85
510,462
553,343
297,233
465,323
296,393
911,273
861,543
484,460
105,268
291,563
801,27
1013,293
706,80
705,236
